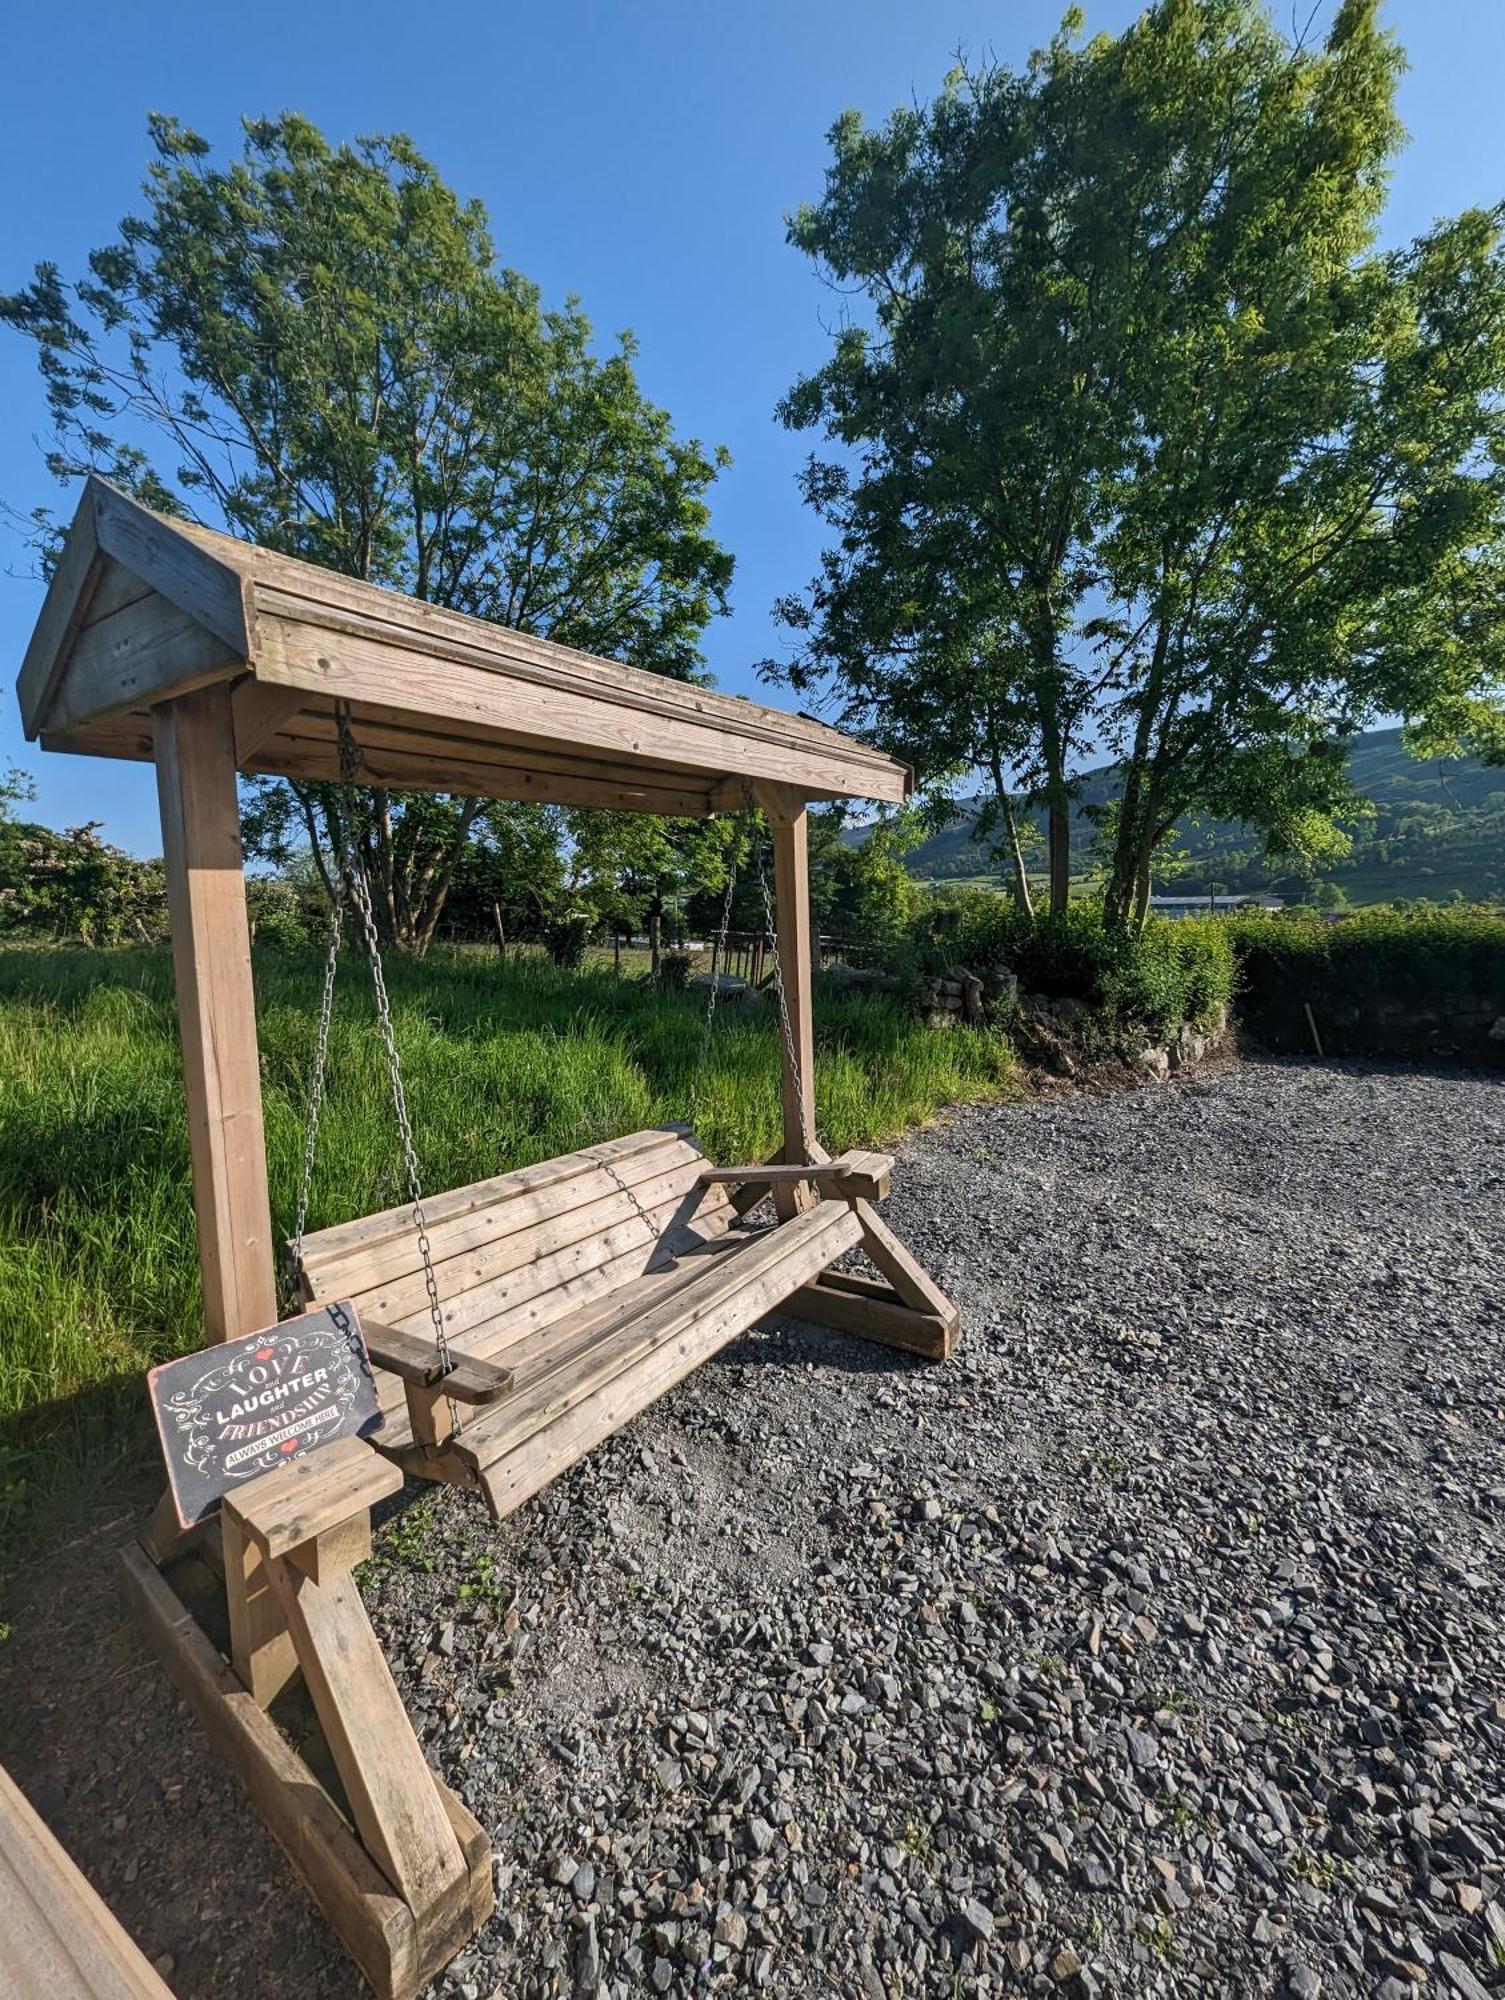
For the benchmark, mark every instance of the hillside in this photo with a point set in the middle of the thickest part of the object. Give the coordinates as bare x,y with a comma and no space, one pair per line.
1439,829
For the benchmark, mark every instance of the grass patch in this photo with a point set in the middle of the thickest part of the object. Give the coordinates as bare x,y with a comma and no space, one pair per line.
505,1064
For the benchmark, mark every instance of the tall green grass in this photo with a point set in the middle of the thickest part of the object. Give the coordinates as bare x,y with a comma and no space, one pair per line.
505,1064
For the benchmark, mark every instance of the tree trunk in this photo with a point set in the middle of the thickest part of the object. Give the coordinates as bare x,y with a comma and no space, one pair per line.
656,932
1011,841
1057,791
1059,826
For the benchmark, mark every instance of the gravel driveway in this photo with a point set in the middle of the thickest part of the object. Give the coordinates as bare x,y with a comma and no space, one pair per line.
1152,1646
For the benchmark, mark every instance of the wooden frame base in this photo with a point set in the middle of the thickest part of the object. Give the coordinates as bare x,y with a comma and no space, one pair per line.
848,1302
397,1950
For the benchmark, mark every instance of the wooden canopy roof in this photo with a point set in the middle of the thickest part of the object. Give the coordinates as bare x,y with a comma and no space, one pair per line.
143,608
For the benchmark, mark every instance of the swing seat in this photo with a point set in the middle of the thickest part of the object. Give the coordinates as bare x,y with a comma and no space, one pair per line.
576,1292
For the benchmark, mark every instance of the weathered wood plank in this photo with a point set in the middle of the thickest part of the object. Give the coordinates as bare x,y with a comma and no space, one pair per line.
905,1273
516,1250
259,713
209,588
871,1315
295,1502
593,718
58,1939
467,1380
390,1788
343,608
211,946
116,588
848,1177
469,761
695,1329
368,1231
64,609
149,650
372,1922
788,823
261,1647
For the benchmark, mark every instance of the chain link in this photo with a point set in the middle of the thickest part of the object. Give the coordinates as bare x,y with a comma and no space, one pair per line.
718,961
321,1070
351,885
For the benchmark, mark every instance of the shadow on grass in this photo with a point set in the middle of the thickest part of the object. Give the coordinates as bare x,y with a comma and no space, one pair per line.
69,1465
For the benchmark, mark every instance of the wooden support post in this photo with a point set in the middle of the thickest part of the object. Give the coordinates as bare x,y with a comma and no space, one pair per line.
211,949
309,1521
211,956
261,1647
399,1951
784,810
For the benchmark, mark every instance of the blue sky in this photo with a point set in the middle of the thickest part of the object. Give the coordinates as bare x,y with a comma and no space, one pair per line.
641,156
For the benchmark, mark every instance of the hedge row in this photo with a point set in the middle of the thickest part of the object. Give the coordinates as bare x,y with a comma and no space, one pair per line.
1172,973
1379,982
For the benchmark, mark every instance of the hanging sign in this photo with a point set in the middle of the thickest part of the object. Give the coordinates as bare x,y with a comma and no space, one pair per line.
238,1409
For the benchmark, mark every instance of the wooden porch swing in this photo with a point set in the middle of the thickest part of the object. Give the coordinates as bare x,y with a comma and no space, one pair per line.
513,1323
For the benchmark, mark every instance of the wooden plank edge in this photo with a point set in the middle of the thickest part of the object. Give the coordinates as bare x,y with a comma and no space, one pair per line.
66,604
888,1321
375,1926
509,1480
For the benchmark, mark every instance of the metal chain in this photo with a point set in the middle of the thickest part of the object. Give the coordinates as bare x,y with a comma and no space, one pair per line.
786,1027
718,960
321,1070
351,885
360,895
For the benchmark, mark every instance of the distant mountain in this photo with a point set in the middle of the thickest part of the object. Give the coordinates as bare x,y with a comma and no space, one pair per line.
1439,827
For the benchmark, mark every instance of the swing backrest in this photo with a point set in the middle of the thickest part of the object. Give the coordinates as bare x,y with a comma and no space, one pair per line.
515,1252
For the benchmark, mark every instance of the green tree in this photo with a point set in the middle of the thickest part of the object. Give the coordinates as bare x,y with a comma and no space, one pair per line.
860,890
315,346
73,884
1144,437
636,868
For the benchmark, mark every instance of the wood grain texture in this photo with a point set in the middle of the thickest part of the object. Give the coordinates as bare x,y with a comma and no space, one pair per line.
692,1329
147,651
211,948
397,1812
311,1495
467,1380
871,1311
560,712
848,1177
209,586
425,673
58,1940
66,605
372,1922
789,825
904,1272
261,1647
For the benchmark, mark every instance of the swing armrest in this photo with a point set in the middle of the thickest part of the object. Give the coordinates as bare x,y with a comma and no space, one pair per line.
850,1177
467,1380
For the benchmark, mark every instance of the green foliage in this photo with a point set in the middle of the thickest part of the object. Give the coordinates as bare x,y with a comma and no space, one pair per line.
861,890
1142,436
315,346
1436,825
1166,974
279,916
1378,981
73,884
505,1064
568,937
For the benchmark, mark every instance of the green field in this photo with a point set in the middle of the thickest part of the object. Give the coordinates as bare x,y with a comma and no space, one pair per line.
506,1063
1438,831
